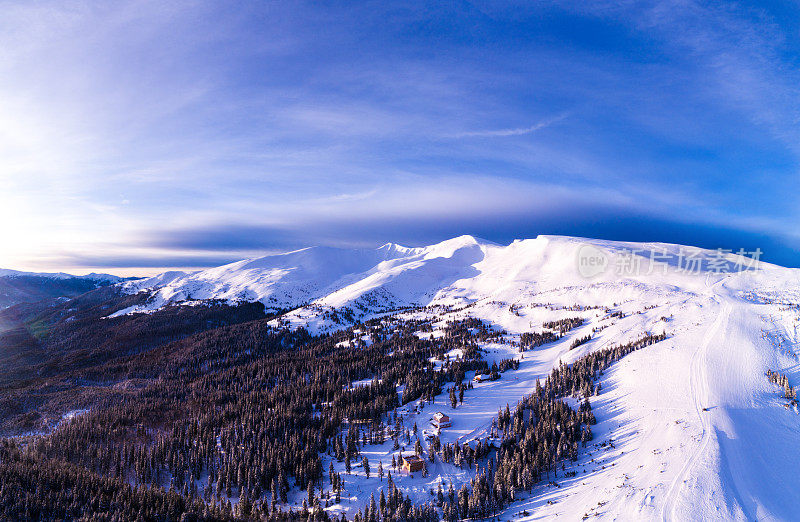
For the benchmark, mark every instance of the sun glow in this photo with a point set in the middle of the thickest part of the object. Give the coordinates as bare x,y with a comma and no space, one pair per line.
16,230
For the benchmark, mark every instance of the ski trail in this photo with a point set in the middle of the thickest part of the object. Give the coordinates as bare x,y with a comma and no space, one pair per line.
699,393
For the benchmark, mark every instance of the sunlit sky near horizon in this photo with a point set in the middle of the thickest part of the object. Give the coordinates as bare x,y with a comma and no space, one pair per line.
137,136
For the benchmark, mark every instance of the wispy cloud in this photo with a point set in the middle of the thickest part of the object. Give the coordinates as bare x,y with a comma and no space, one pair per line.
512,131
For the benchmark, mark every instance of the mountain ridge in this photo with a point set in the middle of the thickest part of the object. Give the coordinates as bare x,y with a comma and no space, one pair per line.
411,276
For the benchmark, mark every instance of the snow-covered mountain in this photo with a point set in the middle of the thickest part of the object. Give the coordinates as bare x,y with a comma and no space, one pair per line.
463,269
689,428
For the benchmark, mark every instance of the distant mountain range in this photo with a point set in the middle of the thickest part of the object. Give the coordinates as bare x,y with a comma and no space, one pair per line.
27,287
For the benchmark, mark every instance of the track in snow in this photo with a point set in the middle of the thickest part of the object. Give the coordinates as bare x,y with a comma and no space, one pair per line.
697,374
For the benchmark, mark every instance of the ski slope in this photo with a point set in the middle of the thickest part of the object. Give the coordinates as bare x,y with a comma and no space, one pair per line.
688,429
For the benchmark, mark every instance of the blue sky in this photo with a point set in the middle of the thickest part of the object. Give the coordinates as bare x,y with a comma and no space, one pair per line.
136,136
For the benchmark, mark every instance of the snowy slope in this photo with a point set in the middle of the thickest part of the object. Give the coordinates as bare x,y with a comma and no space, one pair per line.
696,430
402,275
279,281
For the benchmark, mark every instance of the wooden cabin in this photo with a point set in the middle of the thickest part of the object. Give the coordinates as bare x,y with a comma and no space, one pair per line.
440,420
411,463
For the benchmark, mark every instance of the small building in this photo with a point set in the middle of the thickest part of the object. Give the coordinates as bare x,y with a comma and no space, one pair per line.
487,377
411,463
440,420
